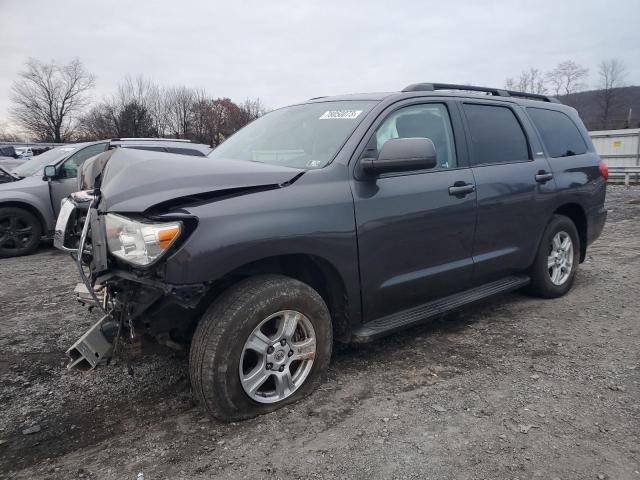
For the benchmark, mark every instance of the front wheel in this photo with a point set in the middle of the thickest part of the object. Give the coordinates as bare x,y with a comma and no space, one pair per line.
264,343
557,260
20,232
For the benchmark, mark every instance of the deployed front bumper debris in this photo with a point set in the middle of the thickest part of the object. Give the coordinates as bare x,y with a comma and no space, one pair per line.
91,349
85,298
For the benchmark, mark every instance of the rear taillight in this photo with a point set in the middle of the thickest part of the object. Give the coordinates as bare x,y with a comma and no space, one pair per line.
604,171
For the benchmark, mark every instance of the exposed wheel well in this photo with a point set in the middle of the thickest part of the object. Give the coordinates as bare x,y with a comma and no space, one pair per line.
31,209
312,270
576,213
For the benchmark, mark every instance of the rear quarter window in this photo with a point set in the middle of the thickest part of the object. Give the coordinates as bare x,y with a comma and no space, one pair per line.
144,147
186,151
559,133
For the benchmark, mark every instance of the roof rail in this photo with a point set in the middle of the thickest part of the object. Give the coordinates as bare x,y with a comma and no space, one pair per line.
498,92
182,140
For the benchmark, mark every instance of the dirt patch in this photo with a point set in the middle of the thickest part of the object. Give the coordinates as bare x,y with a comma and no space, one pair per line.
513,388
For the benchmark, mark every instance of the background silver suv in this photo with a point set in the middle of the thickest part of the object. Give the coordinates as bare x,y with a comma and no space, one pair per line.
30,200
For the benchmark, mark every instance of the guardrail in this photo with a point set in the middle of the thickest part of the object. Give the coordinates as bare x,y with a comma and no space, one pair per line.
616,173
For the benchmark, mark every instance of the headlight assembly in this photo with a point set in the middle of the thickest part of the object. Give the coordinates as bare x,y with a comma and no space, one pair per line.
137,242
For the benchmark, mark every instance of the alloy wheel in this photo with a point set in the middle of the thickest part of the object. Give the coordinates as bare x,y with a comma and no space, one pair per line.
560,259
16,232
277,357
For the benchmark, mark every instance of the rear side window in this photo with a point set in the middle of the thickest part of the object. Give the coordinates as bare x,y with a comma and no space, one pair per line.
142,147
71,165
559,134
186,151
496,134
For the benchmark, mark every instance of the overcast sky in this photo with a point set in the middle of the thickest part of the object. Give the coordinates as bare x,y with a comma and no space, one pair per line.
286,51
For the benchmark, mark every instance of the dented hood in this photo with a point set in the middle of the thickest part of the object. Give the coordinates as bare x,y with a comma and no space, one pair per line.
137,180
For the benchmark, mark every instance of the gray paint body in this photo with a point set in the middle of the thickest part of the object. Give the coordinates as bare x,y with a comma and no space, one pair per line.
32,192
395,241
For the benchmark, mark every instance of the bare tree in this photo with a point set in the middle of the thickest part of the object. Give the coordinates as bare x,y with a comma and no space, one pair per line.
48,98
7,135
568,77
180,102
132,117
529,81
127,113
141,108
252,109
612,76
158,109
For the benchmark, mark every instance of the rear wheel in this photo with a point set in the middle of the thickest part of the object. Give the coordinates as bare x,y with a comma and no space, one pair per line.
557,261
264,343
20,232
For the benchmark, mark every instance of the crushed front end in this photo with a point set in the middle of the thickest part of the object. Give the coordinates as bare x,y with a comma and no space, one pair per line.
117,258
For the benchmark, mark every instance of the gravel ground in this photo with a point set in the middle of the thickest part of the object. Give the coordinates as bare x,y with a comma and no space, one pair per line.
513,388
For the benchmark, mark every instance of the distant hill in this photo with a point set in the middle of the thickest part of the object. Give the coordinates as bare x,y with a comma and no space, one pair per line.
589,106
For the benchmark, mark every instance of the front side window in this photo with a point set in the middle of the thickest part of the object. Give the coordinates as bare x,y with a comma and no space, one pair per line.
559,134
425,121
496,134
70,167
301,136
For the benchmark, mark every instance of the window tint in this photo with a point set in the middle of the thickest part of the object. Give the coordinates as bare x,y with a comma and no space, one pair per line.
559,134
426,121
186,151
496,134
144,147
70,167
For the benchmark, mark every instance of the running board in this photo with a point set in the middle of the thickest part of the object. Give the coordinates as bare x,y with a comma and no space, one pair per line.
407,318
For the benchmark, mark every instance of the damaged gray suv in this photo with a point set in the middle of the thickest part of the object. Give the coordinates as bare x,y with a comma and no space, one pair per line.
339,219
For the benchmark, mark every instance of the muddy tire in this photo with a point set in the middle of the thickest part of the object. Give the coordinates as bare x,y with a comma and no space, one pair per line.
20,232
264,343
557,260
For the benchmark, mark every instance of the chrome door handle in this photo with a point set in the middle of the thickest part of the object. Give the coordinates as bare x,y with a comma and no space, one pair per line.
543,177
460,189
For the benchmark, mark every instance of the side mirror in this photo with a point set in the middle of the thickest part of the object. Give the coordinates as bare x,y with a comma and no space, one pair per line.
49,172
402,155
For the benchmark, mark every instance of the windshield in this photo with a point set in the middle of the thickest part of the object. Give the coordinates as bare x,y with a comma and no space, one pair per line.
302,136
37,163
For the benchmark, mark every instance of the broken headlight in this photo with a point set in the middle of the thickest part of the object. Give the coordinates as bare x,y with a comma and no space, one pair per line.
137,242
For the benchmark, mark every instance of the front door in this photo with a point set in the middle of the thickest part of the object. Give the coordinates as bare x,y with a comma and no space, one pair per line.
415,233
66,181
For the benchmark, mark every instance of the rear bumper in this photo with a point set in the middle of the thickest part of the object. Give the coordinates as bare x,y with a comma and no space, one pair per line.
595,223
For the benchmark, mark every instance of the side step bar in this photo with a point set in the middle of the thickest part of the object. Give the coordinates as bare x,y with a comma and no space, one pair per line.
407,318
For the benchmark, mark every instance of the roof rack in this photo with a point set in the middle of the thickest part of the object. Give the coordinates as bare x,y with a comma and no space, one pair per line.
182,140
498,92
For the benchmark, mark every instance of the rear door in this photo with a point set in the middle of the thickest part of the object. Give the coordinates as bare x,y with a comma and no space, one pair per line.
66,182
514,188
415,237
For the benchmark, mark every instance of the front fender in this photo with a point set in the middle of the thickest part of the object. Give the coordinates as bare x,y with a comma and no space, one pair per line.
306,218
34,202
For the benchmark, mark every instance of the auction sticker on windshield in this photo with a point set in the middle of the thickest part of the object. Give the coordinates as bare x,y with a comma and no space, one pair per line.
340,114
